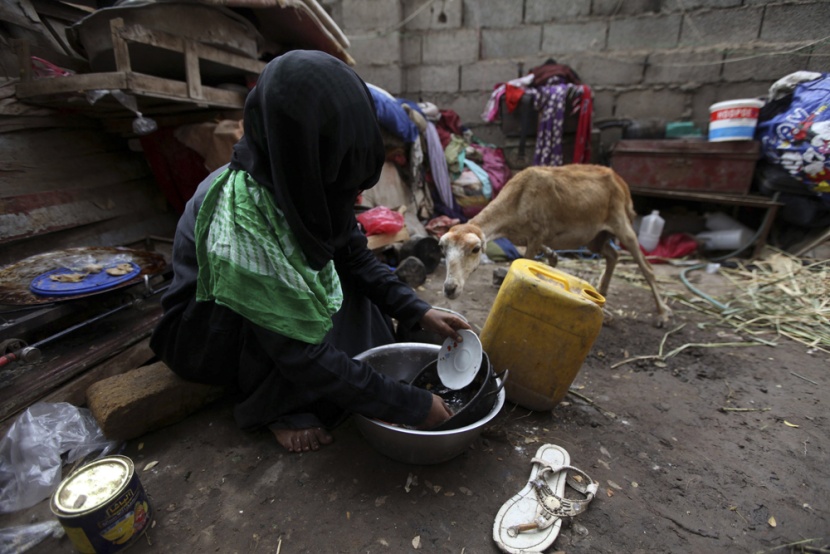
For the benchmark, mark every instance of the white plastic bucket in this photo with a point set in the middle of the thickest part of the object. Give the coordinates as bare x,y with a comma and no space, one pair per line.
733,119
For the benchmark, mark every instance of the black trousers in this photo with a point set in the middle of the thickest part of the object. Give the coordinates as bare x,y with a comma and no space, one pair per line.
208,343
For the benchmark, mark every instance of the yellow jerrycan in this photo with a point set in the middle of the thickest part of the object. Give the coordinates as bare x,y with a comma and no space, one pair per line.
541,327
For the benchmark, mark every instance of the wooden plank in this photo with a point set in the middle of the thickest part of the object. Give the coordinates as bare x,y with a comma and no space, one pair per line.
74,391
73,83
158,87
38,214
19,177
129,229
168,41
24,57
715,198
56,92
119,46
192,73
78,353
25,123
62,145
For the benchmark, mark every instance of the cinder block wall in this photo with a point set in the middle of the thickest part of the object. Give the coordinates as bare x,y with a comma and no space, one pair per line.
667,59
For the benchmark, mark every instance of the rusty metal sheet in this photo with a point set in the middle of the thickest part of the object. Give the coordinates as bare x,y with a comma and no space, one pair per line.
15,278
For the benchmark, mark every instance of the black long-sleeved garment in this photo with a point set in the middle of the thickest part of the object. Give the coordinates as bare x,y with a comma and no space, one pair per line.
284,381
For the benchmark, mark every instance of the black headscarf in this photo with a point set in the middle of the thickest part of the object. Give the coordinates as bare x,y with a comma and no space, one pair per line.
312,137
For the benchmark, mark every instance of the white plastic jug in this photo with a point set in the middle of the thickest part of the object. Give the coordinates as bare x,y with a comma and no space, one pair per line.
650,230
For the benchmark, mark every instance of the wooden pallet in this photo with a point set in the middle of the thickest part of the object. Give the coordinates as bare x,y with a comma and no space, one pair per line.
154,94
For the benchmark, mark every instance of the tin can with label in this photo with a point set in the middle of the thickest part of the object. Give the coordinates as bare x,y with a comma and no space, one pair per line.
102,506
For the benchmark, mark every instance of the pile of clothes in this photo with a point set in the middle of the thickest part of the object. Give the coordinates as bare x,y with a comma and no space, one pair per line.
551,86
457,173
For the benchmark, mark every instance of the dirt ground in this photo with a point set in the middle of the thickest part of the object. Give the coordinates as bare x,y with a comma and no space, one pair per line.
677,472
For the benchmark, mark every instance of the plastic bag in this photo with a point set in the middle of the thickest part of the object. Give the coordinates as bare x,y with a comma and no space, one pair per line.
381,220
30,453
797,138
20,538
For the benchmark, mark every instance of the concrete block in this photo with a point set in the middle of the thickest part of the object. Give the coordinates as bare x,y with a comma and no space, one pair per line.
574,37
411,46
482,76
376,50
369,15
689,5
459,46
438,16
489,132
684,67
468,107
760,64
610,70
388,77
629,7
796,22
721,27
647,32
543,11
604,103
132,404
492,13
650,103
511,43
819,55
432,78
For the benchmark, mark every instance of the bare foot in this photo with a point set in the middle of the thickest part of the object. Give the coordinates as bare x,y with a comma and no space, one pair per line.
302,440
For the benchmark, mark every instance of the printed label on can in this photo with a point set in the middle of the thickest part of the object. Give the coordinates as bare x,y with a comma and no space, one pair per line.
112,521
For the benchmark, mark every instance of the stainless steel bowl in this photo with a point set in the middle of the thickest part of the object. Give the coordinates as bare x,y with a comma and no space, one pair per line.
402,361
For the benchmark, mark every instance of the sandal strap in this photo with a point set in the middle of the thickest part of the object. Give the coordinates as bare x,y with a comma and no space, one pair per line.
551,506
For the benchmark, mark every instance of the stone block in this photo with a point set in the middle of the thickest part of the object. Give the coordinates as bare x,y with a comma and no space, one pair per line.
411,49
647,32
574,37
698,4
482,76
819,55
760,64
489,132
367,49
369,15
468,107
459,46
432,78
543,11
438,16
388,77
604,103
511,43
796,22
721,27
629,7
664,104
132,404
684,67
610,70
492,14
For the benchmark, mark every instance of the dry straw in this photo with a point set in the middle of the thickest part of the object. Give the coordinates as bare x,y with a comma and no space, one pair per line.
780,294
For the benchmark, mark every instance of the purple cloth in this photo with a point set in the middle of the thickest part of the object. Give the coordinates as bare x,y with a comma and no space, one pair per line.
549,101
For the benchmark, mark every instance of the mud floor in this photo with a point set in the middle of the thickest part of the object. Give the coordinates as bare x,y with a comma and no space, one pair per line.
716,449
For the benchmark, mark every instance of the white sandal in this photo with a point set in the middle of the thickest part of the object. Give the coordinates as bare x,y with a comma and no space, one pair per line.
530,521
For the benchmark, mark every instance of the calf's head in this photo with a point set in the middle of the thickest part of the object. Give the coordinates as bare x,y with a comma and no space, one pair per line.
462,246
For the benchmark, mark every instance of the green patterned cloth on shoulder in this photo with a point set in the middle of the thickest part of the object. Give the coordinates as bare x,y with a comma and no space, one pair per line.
250,262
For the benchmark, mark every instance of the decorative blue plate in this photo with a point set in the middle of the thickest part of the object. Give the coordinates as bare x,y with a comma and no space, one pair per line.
93,282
